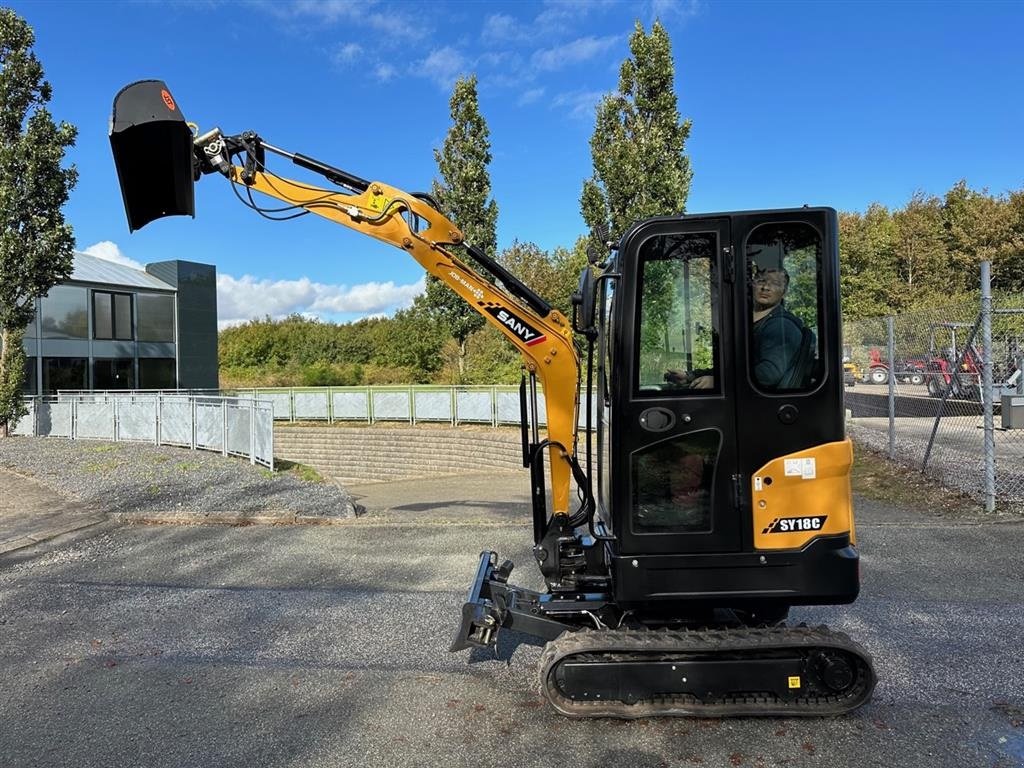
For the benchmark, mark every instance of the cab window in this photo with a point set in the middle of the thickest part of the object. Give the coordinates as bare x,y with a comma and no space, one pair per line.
677,314
784,298
672,484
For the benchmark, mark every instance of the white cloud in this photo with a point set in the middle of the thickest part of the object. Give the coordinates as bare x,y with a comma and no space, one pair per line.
675,9
530,96
557,13
393,22
242,299
385,72
109,251
348,53
501,27
579,50
580,104
443,66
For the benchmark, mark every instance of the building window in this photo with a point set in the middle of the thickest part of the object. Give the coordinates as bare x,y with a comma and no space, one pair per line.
156,317
66,313
30,329
29,387
157,373
64,373
116,373
112,316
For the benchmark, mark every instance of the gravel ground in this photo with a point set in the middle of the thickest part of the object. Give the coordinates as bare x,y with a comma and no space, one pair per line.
139,478
324,646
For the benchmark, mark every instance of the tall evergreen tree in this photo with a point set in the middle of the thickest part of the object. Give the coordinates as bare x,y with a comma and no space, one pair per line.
464,194
640,168
36,245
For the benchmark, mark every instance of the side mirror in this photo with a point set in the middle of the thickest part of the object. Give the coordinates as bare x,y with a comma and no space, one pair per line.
152,147
583,305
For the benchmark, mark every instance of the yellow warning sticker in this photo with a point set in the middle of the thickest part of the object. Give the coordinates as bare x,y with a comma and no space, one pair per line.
379,203
794,681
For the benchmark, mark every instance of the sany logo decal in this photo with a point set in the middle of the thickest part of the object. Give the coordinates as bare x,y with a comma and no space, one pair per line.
796,524
526,332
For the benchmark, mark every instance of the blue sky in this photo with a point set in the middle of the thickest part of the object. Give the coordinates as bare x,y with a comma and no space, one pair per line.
836,104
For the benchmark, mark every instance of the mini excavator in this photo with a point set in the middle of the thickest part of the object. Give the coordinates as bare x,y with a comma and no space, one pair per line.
716,496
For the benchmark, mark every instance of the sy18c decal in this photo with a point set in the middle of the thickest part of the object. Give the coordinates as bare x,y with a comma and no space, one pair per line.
796,524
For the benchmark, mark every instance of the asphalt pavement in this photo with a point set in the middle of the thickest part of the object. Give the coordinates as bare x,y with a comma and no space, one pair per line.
260,645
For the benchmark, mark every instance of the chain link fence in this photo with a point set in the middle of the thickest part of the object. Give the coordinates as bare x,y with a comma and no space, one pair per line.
942,391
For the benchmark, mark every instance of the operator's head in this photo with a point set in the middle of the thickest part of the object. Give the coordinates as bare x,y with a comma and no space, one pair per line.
769,287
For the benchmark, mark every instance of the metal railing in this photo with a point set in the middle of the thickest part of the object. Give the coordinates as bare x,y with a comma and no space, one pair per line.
230,426
496,405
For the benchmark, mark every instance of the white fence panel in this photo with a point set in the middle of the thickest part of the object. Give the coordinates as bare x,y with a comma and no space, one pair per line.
506,407
176,420
209,425
263,428
350,405
432,405
239,418
473,406
94,420
27,425
282,402
54,419
392,406
136,419
313,405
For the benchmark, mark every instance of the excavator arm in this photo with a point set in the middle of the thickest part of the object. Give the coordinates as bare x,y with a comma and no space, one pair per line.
146,117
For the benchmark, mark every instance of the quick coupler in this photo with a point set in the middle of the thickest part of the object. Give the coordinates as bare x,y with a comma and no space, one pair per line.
481,618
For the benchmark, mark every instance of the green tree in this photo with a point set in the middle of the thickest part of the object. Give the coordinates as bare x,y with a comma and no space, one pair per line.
464,194
640,169
922,264
867,262
1009,270
410,342
980,227
36,245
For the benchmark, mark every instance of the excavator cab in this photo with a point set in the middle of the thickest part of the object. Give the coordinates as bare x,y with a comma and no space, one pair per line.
722,464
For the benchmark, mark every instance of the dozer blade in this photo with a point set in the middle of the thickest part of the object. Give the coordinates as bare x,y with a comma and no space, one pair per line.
152,147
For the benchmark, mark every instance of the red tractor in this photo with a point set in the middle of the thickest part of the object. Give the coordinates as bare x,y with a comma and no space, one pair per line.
910,371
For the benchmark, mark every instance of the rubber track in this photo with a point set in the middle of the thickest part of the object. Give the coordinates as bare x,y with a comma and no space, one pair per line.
656,643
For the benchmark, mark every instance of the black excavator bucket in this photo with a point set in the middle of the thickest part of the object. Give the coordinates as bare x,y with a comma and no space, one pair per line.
152,148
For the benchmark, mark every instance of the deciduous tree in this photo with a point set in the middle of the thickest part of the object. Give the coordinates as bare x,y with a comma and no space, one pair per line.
36,244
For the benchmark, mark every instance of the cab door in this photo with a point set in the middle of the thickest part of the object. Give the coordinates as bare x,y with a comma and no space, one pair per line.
674,438
724,356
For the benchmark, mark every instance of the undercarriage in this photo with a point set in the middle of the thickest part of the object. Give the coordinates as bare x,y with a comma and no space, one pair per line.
601,661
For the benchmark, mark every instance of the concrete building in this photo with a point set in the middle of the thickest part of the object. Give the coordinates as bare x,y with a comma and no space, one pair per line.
114,327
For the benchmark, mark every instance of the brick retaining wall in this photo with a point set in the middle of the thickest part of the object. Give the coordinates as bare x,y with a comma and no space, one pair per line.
354,454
